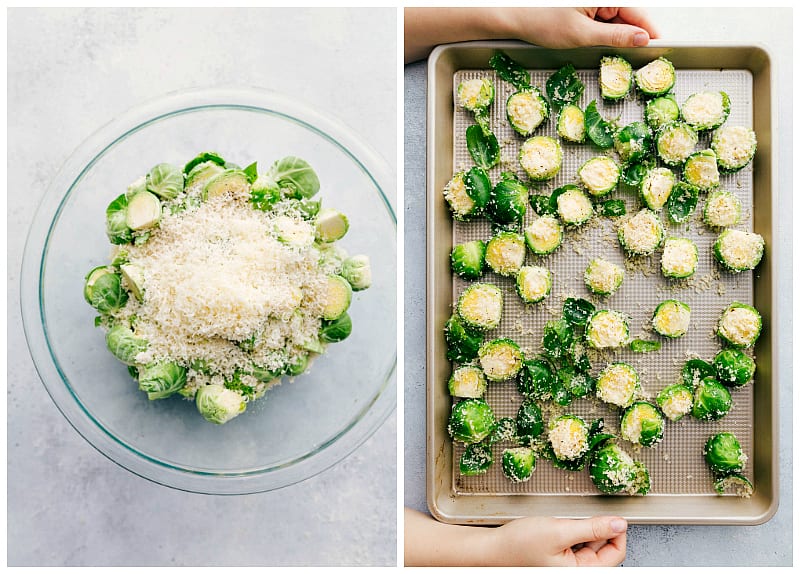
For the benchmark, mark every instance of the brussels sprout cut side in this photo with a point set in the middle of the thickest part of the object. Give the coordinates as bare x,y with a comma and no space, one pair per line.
540,157
735,147
505,253
642,424
679,259
568,436
656,187
706,110
616,77
571,124
675,401
603,277
738,250
607,330
544,235
480,306
700,170
722,209
500,359
739,325
617,384
533,283
671,318
675,142
642,233
572,205
467,382
475,94
526,110
599,175
656,78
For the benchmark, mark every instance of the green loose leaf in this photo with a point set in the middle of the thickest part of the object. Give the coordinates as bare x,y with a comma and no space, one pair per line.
477,459
483,148
577,311
251,171
482,119
504,430
541,204
633,173
612,208
682,202
202,158
564,87
117,228
557,339
644,346
511,71
165,180
598,129
535,380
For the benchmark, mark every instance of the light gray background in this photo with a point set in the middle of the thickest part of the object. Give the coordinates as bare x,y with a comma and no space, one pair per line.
72,71
768,544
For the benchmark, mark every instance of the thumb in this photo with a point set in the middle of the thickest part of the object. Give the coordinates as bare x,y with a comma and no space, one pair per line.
616,35
572,532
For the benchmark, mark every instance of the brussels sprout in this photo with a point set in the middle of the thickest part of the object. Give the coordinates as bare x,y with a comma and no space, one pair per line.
475,94
120,258
124,345
739,325
305,208
735,147
467,382
480,306
218,405
232,182
700,170
298,365
477,459
577,311
263,375
735,484
161,380
471,421
572,205
564,87
679,259
137,185
568,436
675,401
337,299
656,187
535,379
462,342
616,77
675,143
557,338
724,454
103,290
544,235
598,129
712,400
706,110
500,359
357,271
533,283
671,318
662,111
642,233
117,228
633,142
633,173
143,212
571,124
505,253
467,259
603,277
607,330
337,330
617,384
722,209
612,470
331,225
738,250
293,175
201,173
518,463
508,201
165,180
612,208
526,110
530,423
467,193
211,157
133,276
642,424
540,157
694,371
599,175
734,368
656,78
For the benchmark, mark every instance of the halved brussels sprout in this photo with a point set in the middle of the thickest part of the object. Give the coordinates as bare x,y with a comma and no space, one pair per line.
642,233
292,231
642,424
358,272
735,147
477,459
675,401
599,175
571,124
103,290
471,421
218,405
467,382
724,454
201,173
544,235
540,157
124,345
475,94
738,250
535,379
568,436
656,78
739,325
734,368
612,470
133,276
671,318
706,110
232,182
679,259
573,205
518,463
530,423
533,283
656,187
616,77
480,306
204,157
467,259
662,111
331,225
700,170
607,330
337,298
117,228
143,212
722,209
294,176
735,484
161,380
712,400
165,180
505,253
603,277
617,384
462,342
508,201
467,193
500,359
675,143
634,142
526,110
337,330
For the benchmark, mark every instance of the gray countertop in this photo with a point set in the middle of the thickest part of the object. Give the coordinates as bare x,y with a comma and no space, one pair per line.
69,73
663,545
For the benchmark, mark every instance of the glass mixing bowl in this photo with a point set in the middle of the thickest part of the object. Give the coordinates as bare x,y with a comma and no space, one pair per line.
299,428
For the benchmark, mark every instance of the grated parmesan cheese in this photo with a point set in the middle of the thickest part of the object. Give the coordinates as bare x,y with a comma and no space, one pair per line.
526,111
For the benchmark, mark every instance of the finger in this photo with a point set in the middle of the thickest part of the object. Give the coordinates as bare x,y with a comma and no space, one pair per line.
570,532
613,553
639,18
616,35
595,545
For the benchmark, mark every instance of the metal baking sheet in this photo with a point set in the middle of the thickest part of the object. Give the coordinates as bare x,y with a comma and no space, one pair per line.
681,484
